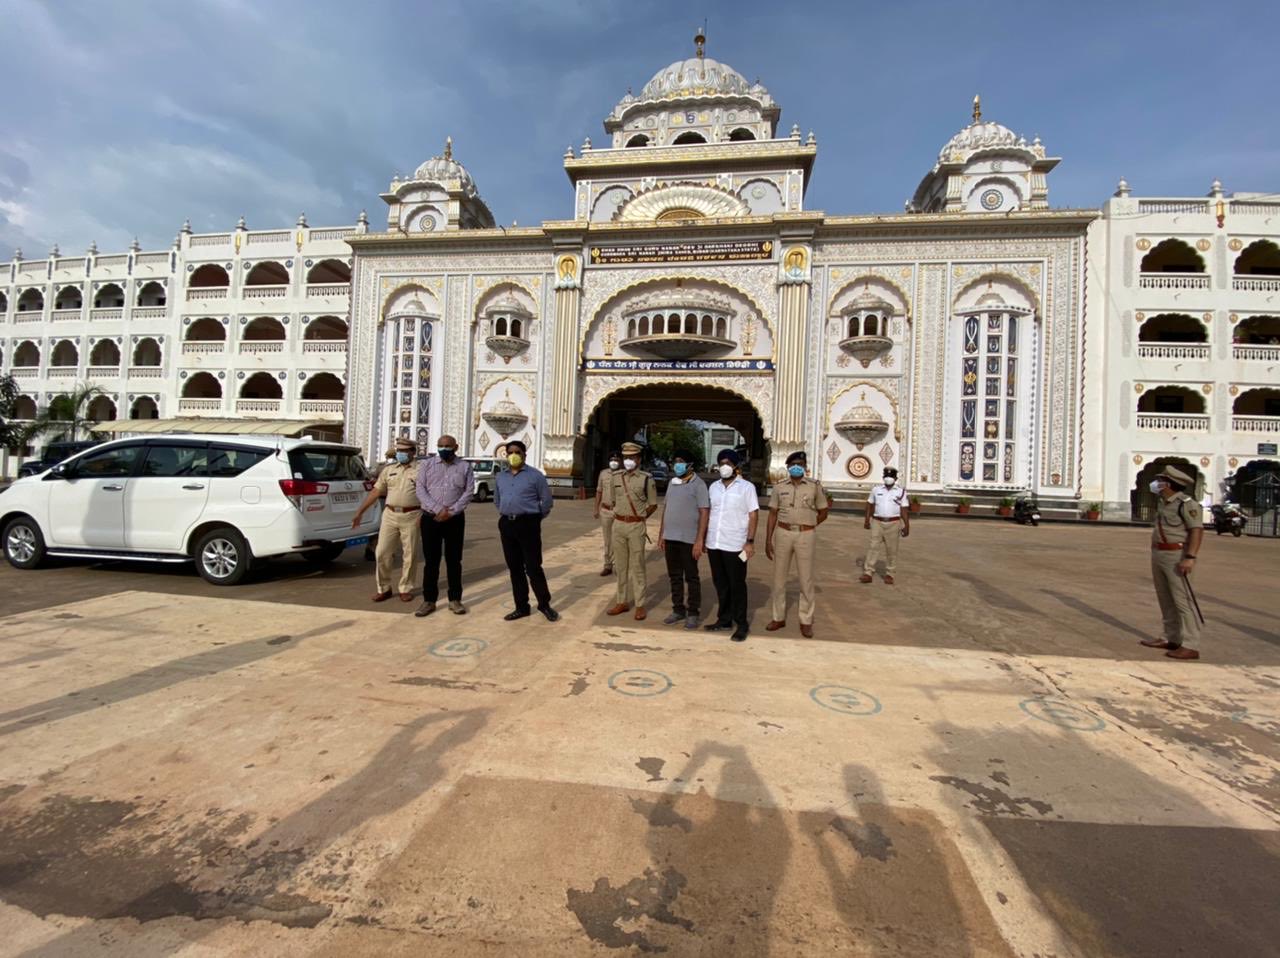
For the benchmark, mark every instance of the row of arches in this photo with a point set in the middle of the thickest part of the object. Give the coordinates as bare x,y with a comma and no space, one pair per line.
100,409
739,135
267,328
106,296
1259,258
270,273
872,324
105,352
264,386
1176,400
1184,328
673,324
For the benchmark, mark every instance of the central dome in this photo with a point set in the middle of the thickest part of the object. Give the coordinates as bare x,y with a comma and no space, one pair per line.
441,169
696,76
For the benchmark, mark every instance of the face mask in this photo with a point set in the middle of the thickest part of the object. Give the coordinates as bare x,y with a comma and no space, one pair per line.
515,459
889,481
629,463
726,471
614,464
446,453
795,472
1158,486
681,468
402,457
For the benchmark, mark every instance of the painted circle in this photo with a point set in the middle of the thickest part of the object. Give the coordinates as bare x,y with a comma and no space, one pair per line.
639,683
991,199
845,700
858,466
1062,714
457,648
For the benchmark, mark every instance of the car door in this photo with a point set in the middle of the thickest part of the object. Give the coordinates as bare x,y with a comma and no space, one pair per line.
87,498
168,495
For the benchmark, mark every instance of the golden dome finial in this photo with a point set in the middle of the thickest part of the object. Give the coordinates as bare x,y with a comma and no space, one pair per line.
700,40
448,148
977,108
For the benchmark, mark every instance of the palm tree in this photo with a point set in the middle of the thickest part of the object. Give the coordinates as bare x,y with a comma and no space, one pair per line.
67,414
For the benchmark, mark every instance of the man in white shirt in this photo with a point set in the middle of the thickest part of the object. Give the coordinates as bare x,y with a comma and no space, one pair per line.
731,535
888,522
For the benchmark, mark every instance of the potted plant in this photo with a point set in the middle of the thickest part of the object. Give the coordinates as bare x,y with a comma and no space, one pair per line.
916,504
1093,511
1006,506
962,505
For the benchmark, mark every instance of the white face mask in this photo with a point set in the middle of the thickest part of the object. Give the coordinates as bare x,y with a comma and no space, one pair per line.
614,464
726,471
629,463
1158,486
889,481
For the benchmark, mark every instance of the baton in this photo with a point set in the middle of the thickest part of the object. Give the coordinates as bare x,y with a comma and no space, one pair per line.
1192,592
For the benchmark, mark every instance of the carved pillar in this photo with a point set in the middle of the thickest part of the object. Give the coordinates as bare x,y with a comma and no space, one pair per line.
562,409
789,358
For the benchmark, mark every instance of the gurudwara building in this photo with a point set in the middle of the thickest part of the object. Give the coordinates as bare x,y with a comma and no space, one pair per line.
981,341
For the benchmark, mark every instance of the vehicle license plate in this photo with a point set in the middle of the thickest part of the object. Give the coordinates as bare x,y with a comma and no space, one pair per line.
358,541
345,496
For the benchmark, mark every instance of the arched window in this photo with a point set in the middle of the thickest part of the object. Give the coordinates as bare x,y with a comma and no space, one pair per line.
147,352
31,301
673,323
1171,400
722,328
500,326
1259,258
871,325
202,386
264,328
209,275
329,271
206,330
691,324
517,329
108,296
638,140
65,354
27,355
151,294
708,326
1172,256
324,386
1258,331
644,325
4,304
69,297
267,274
741,134
102,409
854,328
24,407
144,407
1173,328
326,327
689,137
1257,402
261,386
631,328
105,353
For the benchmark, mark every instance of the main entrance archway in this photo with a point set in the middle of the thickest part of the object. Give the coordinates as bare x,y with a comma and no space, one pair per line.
624,414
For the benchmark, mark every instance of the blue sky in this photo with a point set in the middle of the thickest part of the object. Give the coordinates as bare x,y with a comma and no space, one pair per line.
123,117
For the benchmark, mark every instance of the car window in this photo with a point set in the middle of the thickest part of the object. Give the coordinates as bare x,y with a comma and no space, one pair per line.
173,461
326,465
108,464
225,462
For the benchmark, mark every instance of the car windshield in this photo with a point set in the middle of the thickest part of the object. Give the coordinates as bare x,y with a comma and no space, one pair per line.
321,464
482,467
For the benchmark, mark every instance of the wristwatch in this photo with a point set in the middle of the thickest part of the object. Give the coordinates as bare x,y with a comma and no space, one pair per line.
751,542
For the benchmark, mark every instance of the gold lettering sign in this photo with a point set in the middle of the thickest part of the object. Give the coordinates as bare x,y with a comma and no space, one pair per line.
725,251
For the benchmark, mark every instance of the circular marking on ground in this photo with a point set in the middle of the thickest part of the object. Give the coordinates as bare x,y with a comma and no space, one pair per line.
640,683
457,648
841,698
1062,714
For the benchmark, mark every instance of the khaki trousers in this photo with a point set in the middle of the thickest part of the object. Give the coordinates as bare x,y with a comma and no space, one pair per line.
1180,622
628,561
400,532
885,537
803,546
606,525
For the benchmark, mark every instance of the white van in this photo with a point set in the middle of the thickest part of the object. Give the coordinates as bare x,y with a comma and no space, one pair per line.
220,501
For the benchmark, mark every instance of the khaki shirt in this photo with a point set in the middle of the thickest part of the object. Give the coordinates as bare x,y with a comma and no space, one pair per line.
798,503
1172,527
631,493
398,483
605,485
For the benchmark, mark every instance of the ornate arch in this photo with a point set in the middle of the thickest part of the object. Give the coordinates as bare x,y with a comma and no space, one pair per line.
993,275
862,279
431,307
487,293
696,199
596,389
865,384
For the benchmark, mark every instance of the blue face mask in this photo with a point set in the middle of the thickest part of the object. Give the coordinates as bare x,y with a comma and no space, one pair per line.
681,468
402,457
447,453
795,471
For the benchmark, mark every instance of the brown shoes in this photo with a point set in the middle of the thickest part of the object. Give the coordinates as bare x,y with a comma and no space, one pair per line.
774,626
618,609
864,578
1157,644
806,630
382,597
888,580
641,614
607,570
406,596
1183,653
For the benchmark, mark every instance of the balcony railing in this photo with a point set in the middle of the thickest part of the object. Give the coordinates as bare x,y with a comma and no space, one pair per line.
200,347
278,236
66,315
28,316
265,292
25,372
1173,280
1256,423
1174,206
150,312
1256,284
258,405
331,234
150,259
146,372
323,407
324,345
62,372
212,239
107,312
1173,350
207,292
103,372
328,289
262,346
1174,421
199,405
1249,351
105,262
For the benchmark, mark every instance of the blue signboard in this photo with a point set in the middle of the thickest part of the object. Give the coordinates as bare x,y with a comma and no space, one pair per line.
678,365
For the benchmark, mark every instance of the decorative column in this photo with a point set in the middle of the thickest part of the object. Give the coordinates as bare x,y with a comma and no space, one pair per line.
561,429
794,283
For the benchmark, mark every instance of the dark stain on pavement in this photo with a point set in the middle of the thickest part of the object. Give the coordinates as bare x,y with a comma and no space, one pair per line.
435,682
579,684
66,615
652,767
7,790
279,640
768,725
661,814
867,838
626,647
1001,777
992,801
604,909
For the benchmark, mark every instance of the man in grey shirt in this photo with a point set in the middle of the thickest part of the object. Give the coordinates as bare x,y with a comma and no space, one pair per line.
681,537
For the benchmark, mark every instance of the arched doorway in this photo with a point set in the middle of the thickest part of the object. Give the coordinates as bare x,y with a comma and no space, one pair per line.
626,414
1142,501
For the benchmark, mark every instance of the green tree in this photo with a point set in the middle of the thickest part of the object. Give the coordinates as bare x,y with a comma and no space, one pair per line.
68,414
675,436
10,430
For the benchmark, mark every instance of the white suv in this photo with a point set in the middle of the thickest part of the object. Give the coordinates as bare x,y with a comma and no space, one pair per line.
221,501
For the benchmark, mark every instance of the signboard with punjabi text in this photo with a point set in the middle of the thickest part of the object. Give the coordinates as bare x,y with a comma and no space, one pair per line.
721,251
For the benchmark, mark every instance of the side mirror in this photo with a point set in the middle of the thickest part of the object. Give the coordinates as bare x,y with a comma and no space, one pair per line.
60,471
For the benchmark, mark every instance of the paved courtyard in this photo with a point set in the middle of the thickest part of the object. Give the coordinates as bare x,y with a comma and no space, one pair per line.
979,760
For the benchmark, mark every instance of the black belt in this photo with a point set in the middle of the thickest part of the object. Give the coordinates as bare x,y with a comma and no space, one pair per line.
521,515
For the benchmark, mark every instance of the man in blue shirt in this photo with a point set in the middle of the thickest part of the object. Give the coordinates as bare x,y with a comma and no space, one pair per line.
523,499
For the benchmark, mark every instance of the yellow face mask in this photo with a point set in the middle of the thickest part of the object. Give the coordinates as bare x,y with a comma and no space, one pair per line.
515,459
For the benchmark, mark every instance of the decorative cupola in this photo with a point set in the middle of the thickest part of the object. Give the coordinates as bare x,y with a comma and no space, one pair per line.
865,327
862,424
440,195
507,322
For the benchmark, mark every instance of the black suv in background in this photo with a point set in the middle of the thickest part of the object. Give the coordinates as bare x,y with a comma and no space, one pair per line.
55,453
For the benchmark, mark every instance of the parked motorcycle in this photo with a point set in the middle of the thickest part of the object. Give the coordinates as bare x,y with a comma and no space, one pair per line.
1227,517
1026,509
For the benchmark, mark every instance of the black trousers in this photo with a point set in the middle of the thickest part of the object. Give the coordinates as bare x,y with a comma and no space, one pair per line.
729,573
522,548
444,536
682,567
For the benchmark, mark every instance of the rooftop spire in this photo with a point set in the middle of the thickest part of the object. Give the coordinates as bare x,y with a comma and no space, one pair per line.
977,109
700,40
448,148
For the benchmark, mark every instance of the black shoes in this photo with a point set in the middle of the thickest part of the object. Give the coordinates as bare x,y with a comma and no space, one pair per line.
551,614
739,635
718,626
517,614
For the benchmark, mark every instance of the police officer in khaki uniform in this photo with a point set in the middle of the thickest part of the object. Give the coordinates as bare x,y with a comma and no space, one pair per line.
797,506
1175,543
396,485
604,508
635,498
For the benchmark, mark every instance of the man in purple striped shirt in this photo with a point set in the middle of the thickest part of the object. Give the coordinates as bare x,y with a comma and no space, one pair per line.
445,485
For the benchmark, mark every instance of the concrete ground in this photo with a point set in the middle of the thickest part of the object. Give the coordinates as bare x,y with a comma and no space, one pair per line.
979,760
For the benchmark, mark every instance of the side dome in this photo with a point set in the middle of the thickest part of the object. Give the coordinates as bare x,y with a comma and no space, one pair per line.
979,136
442,168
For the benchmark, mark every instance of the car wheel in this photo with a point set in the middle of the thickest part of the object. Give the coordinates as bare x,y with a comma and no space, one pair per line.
325,554
23,543
222,556
482,494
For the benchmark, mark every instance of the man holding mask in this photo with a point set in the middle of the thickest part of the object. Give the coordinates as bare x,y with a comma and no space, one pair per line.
604,508
445,485
889,524
731,536
522,497
681,537
634,496
399,529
